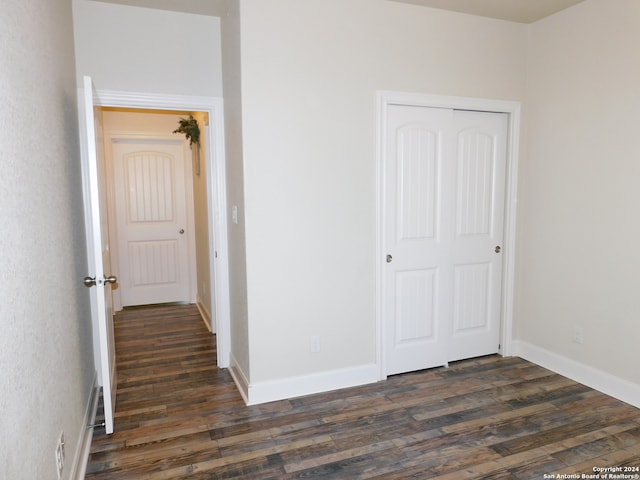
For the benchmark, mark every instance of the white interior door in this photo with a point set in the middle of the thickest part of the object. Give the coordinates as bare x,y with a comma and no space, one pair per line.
152,222
99,278
444,208
416,331
480,179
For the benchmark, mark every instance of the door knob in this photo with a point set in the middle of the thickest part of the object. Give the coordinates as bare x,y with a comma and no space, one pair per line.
91,281
181,231
498,249
389,258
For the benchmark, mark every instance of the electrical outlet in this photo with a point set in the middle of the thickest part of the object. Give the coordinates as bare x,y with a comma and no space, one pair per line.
315,344
60,455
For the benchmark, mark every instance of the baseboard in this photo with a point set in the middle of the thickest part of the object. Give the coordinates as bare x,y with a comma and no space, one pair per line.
291,387
205,314
298,386
597,379
239,378
81,457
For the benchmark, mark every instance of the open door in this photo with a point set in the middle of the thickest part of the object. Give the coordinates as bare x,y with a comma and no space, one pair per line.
99,279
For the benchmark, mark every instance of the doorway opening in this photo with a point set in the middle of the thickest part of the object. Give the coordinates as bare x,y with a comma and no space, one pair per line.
158,210
208,283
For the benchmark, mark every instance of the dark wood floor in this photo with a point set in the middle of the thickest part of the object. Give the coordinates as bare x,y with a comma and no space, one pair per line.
180,417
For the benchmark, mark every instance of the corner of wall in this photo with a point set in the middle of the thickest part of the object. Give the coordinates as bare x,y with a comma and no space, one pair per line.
270,391
597,379
239,378
206,315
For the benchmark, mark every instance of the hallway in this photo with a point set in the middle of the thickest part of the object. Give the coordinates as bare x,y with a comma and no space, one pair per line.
169,389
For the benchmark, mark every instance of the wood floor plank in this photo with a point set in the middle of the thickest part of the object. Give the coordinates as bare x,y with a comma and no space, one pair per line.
178,416
515,461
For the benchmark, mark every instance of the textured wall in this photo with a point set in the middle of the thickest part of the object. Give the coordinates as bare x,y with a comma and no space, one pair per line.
579,257
46,362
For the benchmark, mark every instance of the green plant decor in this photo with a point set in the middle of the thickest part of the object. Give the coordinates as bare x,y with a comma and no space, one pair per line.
189,127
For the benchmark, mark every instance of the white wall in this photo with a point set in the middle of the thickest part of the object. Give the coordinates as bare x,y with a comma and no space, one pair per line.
46,359
579,256
232,75
310,72
146,50
201,218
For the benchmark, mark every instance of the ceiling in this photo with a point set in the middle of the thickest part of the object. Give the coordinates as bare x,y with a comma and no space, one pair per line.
522,11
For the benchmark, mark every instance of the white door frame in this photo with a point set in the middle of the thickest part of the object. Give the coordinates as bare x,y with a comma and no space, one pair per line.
386,98
216,192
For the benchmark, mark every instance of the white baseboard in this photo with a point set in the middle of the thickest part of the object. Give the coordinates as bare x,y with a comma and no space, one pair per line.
239,378
206,315
81,457
291,387
298,386
597,379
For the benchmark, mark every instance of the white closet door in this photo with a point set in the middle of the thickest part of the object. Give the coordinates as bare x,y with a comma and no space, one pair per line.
444,202
476,248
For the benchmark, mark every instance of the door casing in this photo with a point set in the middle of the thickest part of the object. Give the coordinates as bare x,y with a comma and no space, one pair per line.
512,109
216,192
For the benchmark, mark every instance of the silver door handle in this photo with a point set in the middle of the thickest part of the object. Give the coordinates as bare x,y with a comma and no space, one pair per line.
389,258
91,281
181,231
498,249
